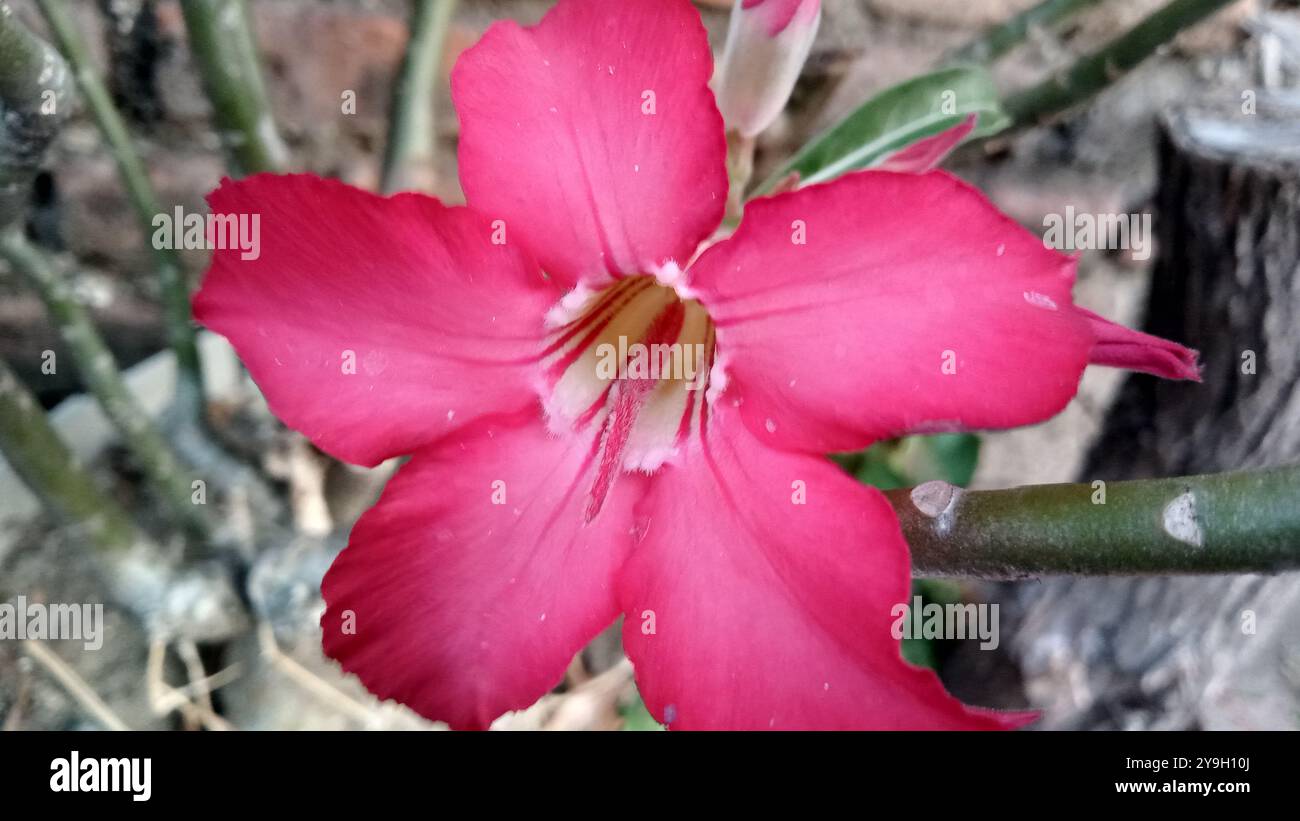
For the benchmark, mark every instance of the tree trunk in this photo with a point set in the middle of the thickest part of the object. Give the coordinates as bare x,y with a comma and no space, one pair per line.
1211,651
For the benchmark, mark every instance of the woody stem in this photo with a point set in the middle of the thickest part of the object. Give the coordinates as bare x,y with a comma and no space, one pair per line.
44,463
171,274
95,362
412,136
1002,38
1244,522
35,97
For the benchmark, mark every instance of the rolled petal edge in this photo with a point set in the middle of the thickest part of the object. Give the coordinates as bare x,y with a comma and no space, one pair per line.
1121,347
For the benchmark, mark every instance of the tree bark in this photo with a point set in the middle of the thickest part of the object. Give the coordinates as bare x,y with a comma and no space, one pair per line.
1195,652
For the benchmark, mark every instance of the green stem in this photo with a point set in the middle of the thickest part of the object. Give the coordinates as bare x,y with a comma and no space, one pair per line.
1098,70
1000,39
225,53
409,159
99,371
175,289
44,463
1246,522
740,167
34,100
169,598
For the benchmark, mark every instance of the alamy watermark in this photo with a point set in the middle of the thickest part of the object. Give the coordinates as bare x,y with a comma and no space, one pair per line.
90,774
659,360
1095,232
210,232
946,621
32,620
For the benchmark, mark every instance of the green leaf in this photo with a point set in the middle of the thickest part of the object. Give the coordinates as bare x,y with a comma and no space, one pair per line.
951,457
918,650
919,653
874,468
896,118
912,460
939,591
637,718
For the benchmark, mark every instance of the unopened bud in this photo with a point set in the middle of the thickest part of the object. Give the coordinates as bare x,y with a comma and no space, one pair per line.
767,44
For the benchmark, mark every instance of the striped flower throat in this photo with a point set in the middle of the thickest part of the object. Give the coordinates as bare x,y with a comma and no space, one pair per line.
630,365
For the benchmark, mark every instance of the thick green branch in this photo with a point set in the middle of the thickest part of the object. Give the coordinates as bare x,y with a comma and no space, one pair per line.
409,159
1098,70
45,465
34,100
1000,39
1245,522
99,371
175,290
221,38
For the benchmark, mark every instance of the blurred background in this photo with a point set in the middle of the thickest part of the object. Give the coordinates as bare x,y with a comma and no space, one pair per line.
1167,139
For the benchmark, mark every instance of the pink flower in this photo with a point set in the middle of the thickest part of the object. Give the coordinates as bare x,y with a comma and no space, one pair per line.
541,499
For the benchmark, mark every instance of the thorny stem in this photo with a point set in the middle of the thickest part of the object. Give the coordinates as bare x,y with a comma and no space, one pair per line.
1000,39
175,289
95,363
225,54
1098,70
1246,522
408,161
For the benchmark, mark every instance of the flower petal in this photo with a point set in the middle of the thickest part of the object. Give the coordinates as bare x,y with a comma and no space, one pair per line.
374,325
776,15
594,135
880,304
745,609
1122,347
927,153
467,590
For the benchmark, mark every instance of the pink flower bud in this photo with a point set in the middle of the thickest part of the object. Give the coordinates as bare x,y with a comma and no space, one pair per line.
767,44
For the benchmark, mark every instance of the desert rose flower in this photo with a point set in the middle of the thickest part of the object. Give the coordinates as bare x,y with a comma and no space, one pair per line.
767,44
545,496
